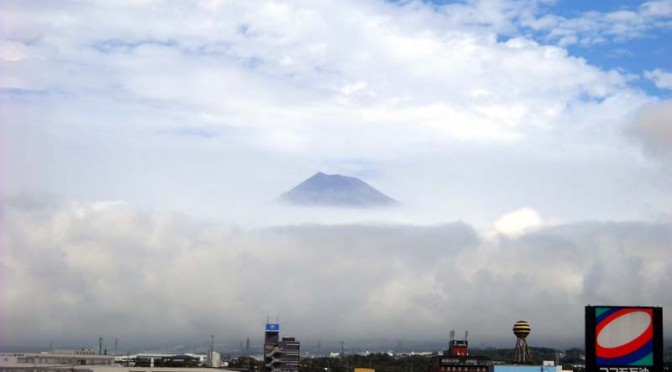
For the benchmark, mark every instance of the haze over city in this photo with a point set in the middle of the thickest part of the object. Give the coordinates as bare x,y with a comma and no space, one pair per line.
144,145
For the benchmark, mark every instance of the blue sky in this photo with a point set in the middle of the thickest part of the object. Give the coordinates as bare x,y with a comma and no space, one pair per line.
627,51
531,139
646,52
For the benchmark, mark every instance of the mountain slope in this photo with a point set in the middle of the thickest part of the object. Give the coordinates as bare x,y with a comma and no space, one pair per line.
336,191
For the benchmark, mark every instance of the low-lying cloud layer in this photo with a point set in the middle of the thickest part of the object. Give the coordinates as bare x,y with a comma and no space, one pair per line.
77,270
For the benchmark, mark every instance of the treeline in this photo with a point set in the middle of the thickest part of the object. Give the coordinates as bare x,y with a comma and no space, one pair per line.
539,354
380,362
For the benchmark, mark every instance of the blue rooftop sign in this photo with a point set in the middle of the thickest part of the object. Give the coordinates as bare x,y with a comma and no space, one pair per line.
272,327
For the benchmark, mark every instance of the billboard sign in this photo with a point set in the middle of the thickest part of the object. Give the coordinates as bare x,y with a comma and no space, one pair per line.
624,339
272,327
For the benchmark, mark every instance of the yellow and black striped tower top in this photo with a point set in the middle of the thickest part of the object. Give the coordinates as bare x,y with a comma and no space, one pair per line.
521,329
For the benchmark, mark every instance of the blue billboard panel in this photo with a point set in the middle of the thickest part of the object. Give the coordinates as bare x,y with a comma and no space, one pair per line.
272,327
623,337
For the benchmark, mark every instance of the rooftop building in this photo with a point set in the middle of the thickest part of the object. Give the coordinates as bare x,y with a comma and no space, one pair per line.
457,358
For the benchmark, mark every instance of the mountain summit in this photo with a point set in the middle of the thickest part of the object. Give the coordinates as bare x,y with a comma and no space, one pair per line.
335,190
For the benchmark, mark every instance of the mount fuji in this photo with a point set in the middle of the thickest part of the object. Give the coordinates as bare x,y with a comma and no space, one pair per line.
335,190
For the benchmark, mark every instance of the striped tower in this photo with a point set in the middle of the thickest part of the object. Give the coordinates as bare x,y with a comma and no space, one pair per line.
522,354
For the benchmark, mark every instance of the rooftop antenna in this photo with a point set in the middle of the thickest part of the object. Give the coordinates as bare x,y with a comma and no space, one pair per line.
452,335
466,334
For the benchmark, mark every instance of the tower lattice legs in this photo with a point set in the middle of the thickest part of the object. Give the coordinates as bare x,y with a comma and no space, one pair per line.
522,352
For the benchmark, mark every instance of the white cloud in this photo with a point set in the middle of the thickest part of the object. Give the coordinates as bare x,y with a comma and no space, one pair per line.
209,65
592,27
518,222
662,79
658,8
370,83
13,51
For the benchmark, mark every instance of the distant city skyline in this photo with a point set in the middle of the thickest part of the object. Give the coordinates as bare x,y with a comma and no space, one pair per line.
143,144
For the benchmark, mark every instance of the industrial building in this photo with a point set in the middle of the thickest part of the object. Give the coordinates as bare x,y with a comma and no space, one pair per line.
59,359
79,361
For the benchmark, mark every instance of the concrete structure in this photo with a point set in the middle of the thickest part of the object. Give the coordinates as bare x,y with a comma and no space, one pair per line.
290,357
214,359
280,355
272,347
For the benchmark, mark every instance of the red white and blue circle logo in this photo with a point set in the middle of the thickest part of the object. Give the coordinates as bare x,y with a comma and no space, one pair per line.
624,336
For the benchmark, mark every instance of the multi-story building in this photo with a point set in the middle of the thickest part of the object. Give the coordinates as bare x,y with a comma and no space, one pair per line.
291,349
280,355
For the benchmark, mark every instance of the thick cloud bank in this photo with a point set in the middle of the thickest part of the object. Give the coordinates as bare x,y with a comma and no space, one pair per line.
73,271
